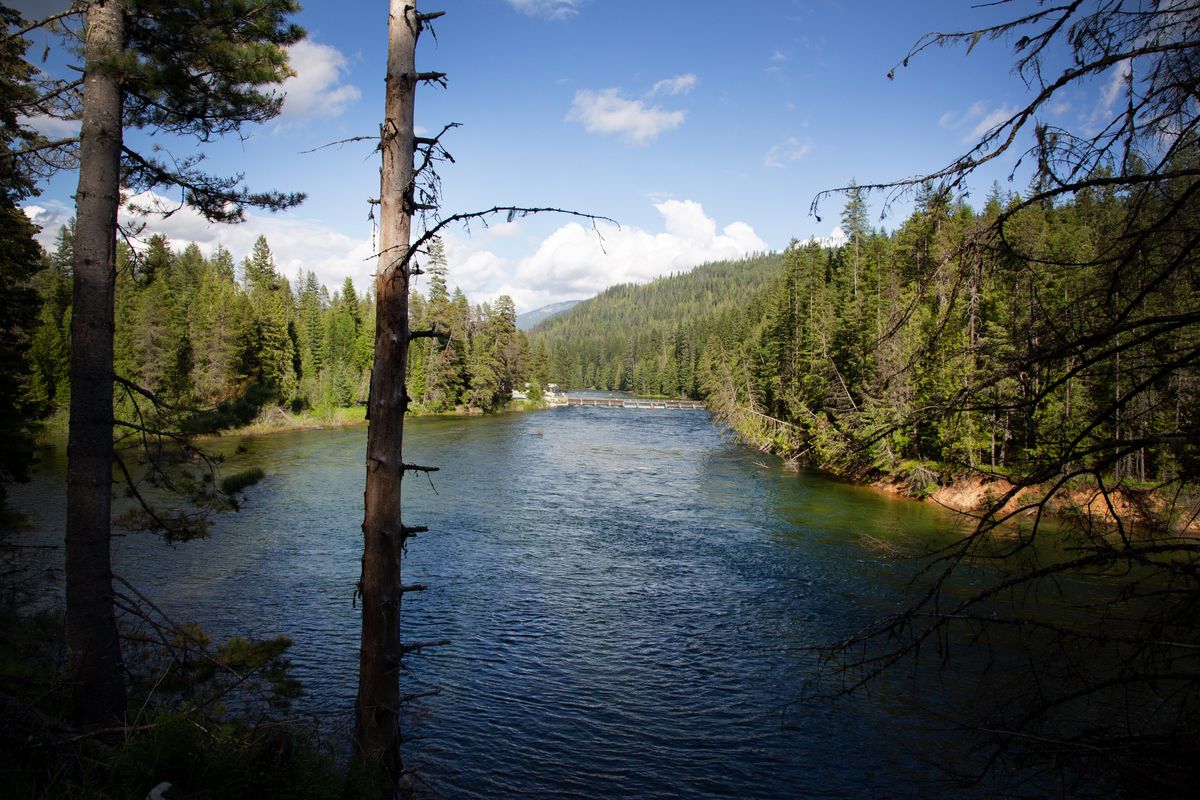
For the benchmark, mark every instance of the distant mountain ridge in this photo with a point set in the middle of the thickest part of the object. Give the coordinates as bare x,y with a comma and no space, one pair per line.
648,338
530,318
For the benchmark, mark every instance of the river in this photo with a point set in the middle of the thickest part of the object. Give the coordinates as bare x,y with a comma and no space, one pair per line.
633,603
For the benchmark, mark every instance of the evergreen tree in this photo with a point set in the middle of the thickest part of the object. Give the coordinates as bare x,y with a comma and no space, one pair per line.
485,368
50,350
603,340
268,339
510,344
217,315
19,261
312,339
189,68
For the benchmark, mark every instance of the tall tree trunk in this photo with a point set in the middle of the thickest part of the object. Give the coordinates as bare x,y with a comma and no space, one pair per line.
92,642
377,708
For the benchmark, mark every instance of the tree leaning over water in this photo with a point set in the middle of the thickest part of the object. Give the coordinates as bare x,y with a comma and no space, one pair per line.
1097,370
187,68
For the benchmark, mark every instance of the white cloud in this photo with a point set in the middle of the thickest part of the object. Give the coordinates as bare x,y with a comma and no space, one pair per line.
574,262
680,84
51,127
296,243
836,238
789,150
475,270
978,117
607,112
49,215
991,120
570,263
1112,91
316,90
550,9
1117,80
504,230
953,119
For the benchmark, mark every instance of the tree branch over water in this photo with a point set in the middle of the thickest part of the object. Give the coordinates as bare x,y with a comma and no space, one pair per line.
1100,375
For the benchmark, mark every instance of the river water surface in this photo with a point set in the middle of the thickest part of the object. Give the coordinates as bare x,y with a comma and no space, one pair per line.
633,604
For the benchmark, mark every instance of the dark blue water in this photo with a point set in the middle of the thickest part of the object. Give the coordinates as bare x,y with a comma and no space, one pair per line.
633,602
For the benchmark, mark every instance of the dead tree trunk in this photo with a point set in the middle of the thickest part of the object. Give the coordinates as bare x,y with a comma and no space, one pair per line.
377,708
92,642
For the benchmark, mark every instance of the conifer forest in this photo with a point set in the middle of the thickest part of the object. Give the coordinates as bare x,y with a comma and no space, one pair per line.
231,337
424,514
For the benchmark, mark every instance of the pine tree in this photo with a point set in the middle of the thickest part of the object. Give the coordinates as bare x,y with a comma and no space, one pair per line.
377,707
856,228
50,350
258,268
269,347
511,346
312,339
19,262
484,366
443,364
217,314
189,68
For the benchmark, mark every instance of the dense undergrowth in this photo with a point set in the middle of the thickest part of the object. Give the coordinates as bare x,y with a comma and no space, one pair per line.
211,721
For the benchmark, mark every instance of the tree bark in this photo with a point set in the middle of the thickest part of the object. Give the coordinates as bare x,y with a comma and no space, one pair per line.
92,641
377,707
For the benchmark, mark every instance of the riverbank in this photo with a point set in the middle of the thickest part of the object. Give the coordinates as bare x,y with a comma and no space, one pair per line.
276,419
270,420
975,492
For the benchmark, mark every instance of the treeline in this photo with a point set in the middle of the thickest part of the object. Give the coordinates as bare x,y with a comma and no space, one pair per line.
648,339
465,358
222,340
939,344
947,343
202,332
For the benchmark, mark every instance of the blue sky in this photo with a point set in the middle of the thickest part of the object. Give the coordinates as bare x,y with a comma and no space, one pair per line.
703,128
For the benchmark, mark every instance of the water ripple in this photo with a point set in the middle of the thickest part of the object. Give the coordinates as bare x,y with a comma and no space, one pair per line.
632,604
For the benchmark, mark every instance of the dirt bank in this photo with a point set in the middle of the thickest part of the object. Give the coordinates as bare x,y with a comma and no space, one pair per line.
973,494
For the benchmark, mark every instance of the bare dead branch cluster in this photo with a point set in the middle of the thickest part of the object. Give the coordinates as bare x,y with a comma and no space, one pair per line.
1108,686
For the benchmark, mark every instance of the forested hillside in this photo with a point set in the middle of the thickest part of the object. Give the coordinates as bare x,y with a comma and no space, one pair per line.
648,338
897,351
222,340
907,352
